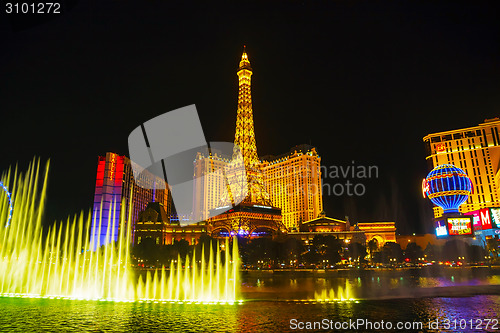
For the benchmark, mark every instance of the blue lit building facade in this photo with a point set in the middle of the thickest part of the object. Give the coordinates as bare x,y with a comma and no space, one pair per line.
114,183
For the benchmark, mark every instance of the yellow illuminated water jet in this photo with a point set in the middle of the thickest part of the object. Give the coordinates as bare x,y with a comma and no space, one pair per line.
331,295
62,265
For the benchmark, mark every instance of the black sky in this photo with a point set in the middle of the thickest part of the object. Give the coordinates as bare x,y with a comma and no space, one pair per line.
362,81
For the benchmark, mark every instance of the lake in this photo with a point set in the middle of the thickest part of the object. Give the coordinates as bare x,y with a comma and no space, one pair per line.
452,300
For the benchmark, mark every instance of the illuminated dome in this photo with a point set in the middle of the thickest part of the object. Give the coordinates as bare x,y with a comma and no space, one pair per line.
447,187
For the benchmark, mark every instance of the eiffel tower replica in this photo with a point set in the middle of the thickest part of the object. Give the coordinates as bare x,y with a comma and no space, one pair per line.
252,208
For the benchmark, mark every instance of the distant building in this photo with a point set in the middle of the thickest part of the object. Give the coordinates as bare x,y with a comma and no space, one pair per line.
476,150
209,183
155,223
152,223
190,233
383,232
361,232
293,181
422,240
114,182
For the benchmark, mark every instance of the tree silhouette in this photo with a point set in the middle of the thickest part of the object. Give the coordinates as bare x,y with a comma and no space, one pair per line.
181,247
293,249
493,247
413,251
453,249
393,251
324,248
148,251
357,251
372,247
432,252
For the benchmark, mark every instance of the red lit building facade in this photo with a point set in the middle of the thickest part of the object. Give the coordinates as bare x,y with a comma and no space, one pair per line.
114,182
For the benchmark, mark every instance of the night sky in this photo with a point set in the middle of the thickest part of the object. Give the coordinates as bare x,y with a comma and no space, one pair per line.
362,82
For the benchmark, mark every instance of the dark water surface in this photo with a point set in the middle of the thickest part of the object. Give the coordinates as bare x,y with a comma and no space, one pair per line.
387,300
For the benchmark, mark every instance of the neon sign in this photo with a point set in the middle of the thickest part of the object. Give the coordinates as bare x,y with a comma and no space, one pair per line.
459,226
441,229
425,187
112,166
485,218
495,217
440,147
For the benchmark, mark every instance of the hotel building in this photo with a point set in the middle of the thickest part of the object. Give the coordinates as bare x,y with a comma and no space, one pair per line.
293,181
476,150
209,183
322,225
114,186
154,222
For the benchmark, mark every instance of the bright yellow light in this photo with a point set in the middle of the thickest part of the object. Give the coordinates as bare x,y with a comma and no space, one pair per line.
64,265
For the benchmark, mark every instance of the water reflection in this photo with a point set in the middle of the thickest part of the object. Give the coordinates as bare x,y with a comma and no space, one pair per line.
18,314
393,296
369,285
459,314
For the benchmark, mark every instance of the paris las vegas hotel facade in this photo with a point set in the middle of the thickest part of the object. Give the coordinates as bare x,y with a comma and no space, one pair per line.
291,184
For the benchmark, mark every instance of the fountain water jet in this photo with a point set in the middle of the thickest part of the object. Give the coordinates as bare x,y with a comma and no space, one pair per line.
62,264
330,295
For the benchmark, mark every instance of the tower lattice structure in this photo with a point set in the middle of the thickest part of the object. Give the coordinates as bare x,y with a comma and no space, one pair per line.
244,141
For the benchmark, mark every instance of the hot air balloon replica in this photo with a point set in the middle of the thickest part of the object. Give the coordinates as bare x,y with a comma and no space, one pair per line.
448,187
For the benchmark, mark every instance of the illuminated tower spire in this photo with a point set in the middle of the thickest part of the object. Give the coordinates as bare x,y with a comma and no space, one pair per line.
245,135
244,138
